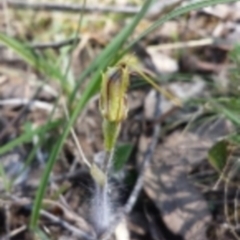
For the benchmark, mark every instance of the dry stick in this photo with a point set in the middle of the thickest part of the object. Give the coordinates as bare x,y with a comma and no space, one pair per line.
18,230
190,44
68,175
138,186
74,136
32,104
66,225
15,232
70,214
47,6
76,231
54,45
157,8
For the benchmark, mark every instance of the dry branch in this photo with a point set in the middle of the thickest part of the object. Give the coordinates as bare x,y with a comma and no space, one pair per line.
157,8
54,45
69,7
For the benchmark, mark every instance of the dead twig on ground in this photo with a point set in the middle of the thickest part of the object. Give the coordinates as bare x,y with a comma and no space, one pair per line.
193,44
70,7
15,232
56,220
54,45
157,8
66,225
35,104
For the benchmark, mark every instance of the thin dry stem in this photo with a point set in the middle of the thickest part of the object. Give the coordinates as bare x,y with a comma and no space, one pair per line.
70,7
79,147
66,225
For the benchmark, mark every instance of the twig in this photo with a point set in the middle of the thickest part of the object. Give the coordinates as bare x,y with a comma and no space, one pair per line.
157,8
32,104
71,215
47,6
74,136
190,44
54,45
66,225
138,185
76,231
69,175
15,232
18,230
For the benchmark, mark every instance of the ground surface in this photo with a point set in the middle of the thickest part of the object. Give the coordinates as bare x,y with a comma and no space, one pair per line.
190,183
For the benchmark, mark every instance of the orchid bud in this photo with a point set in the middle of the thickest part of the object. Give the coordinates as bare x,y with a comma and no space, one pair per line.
113,103
113,100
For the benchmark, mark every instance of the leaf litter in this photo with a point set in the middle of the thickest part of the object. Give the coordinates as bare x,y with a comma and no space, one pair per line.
183,196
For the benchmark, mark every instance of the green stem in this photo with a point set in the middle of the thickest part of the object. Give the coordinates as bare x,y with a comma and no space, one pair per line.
110,132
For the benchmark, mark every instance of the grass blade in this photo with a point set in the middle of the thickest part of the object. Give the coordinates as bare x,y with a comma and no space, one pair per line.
228,111
35,60
218,155
28,136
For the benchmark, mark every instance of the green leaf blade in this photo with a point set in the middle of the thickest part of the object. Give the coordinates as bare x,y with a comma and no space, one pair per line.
218,154
121,155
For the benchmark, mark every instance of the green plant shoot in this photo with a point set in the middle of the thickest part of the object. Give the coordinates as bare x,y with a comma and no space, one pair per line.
113,102
113,99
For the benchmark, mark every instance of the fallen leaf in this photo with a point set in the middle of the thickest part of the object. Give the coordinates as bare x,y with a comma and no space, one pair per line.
183,209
